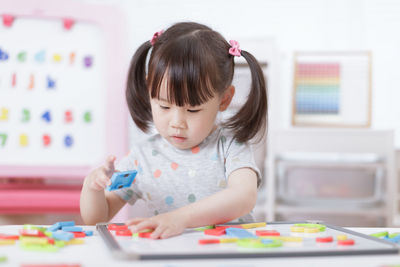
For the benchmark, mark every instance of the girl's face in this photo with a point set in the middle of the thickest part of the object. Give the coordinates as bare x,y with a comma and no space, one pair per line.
186,127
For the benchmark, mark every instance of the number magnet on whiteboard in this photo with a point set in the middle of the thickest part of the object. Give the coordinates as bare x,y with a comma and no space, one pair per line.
46,140
23,140
21,56
68,23
57,58
68,141
68,116
46,116
3,55
51,83
72,58
31,84
40,56
26,115
14,80
8,20
88,61
3,114
3,139
87,117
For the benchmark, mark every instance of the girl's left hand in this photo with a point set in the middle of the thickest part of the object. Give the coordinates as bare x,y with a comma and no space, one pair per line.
165,225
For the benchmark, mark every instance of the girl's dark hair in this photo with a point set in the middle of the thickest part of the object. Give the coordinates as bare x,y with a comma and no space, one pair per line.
193,62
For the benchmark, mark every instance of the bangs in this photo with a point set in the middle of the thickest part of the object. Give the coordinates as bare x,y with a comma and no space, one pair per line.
186,72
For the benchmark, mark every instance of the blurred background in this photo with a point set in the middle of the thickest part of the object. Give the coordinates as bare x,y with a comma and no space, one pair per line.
334,130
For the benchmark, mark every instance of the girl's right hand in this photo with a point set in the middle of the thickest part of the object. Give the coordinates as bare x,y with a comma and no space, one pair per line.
99,178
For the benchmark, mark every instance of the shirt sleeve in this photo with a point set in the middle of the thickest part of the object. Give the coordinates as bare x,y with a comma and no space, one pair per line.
240,155
130,194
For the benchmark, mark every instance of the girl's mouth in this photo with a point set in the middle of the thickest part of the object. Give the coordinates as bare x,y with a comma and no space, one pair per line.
178,139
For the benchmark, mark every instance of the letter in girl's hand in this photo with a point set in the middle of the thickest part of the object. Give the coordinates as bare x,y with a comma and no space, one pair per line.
121,180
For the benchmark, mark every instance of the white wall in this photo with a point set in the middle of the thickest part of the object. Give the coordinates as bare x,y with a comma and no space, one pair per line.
296,25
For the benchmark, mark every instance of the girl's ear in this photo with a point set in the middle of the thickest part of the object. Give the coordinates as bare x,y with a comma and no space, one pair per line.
227,98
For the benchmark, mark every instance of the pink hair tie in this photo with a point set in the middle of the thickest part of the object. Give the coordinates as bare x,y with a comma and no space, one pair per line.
155,37
234,50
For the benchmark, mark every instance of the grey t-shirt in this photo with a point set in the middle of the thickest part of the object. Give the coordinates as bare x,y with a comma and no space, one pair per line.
169,178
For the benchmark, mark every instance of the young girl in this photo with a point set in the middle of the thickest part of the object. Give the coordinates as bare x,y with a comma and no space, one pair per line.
194,171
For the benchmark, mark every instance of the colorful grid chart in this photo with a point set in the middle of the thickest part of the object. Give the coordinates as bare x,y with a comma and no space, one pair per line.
317,88
61,88
332,89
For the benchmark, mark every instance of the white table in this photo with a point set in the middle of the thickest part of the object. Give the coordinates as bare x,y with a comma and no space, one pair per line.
95,253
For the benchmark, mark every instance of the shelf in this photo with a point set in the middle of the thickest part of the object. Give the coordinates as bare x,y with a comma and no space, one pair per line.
355,211
396,220
39,199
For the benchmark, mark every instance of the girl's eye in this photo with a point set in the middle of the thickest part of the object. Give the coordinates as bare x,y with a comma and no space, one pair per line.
164,107
193,110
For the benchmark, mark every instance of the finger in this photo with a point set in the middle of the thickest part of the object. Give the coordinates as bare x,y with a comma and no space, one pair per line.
167,233
134,221
104,180
98,185
157,232
109,166
146,224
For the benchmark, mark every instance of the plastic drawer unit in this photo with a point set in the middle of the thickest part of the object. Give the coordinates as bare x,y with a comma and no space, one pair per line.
330,178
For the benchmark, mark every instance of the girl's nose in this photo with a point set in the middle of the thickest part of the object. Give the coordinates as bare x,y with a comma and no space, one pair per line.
178,119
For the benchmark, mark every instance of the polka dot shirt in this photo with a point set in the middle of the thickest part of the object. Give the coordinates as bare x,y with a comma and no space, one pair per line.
169,178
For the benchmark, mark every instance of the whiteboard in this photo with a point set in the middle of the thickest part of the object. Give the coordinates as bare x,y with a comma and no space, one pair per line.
60,99
186,245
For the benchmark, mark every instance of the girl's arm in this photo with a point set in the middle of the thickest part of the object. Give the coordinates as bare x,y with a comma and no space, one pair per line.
97,205
238,199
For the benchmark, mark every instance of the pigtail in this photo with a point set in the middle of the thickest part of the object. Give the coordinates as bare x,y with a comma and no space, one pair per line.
252,117
137,94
